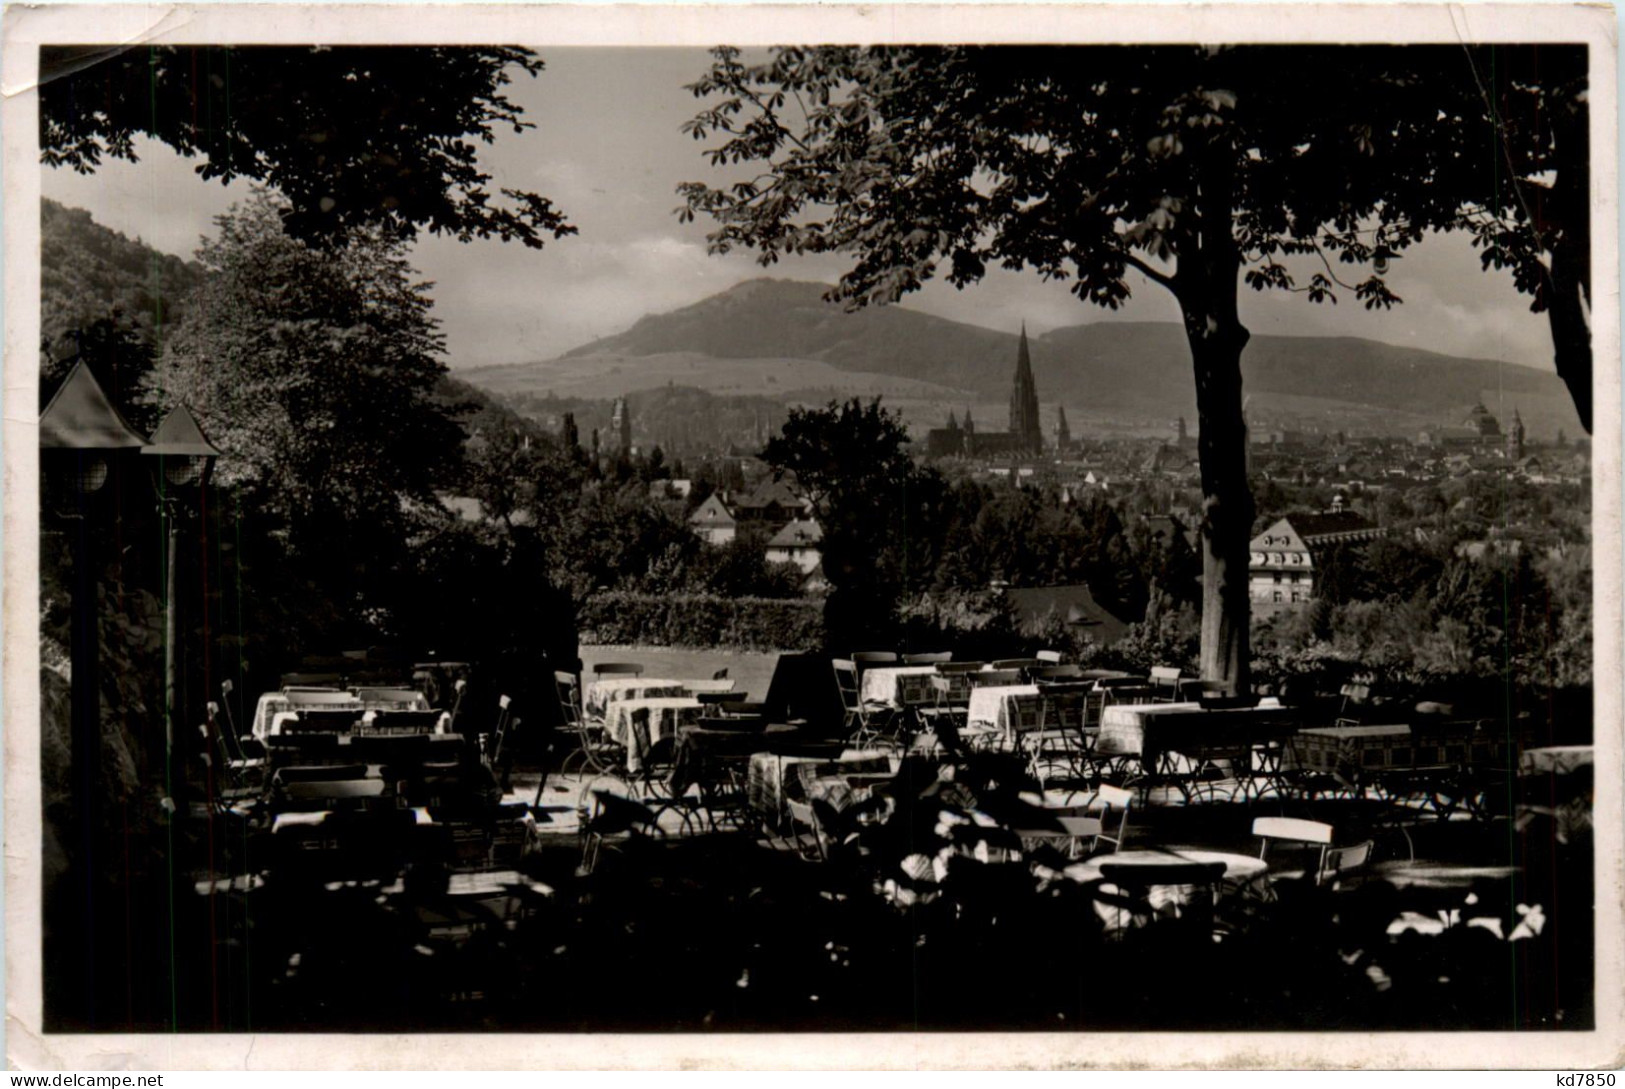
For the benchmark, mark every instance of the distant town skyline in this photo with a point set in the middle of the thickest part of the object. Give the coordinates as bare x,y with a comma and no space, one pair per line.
609,151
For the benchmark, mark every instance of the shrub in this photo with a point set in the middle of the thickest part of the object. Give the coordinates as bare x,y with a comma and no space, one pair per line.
973,624
701,620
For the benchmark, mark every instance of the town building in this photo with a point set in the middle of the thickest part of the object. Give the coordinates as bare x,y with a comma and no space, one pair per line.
713,522
769,507
798,543
1281,574
1479,431
948,441
620,425
1073,605
1026,433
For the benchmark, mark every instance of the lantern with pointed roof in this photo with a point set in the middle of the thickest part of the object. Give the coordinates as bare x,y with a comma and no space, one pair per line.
80,431
184,455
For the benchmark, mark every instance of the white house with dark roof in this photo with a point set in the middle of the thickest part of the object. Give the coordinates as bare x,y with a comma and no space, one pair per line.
713,522
798,543
1281,574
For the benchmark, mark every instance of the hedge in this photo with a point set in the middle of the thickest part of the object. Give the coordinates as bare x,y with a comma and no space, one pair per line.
702,620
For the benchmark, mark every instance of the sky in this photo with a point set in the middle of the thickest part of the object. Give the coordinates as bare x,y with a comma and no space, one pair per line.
608,150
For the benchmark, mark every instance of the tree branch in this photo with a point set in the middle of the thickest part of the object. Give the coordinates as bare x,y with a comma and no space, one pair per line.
1150,273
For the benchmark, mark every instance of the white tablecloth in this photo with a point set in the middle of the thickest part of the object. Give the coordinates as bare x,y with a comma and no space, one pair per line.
1555,760
895,686
1000,705
1122,725
638,724
273,704
599,694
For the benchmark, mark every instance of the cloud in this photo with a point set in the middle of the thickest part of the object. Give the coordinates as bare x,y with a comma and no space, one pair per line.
608,149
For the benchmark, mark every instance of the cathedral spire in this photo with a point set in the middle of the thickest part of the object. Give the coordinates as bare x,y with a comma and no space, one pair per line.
1024,423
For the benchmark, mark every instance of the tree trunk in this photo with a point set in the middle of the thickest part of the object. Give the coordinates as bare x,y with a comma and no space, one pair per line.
1206,287
1227,502
1567,313
1567,224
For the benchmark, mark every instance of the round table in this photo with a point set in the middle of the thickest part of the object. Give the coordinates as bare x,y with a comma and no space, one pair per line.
1240,872
1237,868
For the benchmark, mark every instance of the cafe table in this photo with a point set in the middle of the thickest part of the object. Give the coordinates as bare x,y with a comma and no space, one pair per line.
1006,707
599,694
770,772
636,724
1555,760
1242,874
897,687
1175,739
1399,759
703,754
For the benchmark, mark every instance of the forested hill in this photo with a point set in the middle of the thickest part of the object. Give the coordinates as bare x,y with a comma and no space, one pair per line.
89,272
1140,368
97,285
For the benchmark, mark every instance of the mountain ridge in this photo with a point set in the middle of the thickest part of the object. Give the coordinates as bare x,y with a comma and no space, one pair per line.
1128,368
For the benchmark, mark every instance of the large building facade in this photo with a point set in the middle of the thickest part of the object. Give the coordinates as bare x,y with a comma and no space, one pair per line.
1281,576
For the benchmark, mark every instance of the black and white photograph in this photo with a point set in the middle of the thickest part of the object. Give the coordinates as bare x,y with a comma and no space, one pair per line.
1097,527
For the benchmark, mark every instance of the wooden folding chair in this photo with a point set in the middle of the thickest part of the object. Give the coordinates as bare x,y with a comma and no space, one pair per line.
864,659
866,724
1059,748
1345,861
1355,699
802,815
1021,666
1295,830
594,753
945,715
1106,799
1165,684
611,814
1079,832
946,668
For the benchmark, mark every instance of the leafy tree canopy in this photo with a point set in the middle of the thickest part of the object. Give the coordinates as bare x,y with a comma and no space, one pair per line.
314,370
1534,214
1199,168
1084,162
382,138
871,500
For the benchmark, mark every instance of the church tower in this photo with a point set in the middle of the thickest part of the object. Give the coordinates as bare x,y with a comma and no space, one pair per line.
1025,428
1063,433
1515,437
620,422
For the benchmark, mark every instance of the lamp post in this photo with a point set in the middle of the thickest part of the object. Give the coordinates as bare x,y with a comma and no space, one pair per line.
181,460
82,436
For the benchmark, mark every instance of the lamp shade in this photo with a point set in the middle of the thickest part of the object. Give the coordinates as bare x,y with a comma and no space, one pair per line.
183,451
82,417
